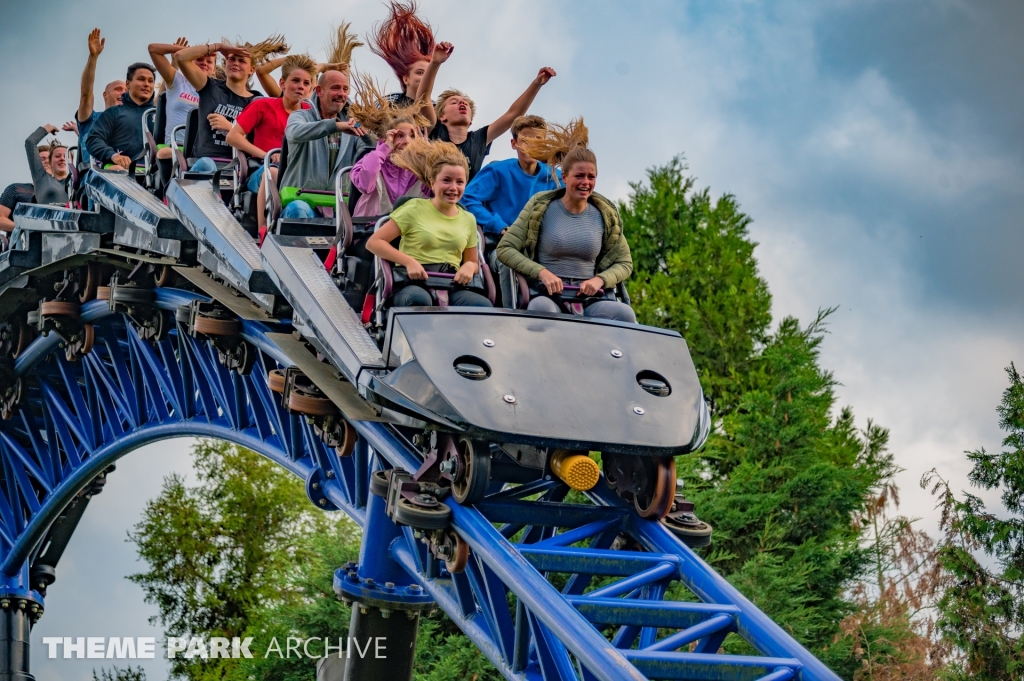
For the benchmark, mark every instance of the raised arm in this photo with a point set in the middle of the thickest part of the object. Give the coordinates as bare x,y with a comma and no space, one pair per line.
263,71
187,57
158,54
520,106
441,53
85,99
35,165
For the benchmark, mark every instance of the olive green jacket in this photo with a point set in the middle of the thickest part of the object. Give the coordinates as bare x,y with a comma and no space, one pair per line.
518,248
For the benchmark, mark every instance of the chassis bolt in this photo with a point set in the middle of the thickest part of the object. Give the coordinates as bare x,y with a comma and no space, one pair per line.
385,613
511,399
639,411
322,502
617,354
488,343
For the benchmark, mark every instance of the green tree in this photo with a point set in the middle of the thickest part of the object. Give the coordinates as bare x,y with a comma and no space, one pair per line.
695,272
981,608
785,473
219,552
243,553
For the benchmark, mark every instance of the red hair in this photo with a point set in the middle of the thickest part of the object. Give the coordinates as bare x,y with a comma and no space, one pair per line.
403,39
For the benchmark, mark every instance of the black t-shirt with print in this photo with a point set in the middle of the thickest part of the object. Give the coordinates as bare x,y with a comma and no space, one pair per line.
475,148
216,97
19,192
400,99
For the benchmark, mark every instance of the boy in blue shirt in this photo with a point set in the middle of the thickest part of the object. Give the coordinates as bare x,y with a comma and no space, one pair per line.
497,194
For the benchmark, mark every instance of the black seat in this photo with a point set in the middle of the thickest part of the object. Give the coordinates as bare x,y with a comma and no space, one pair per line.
158,171
160,131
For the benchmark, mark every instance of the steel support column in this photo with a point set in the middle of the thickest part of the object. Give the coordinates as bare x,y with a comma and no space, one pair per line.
386,602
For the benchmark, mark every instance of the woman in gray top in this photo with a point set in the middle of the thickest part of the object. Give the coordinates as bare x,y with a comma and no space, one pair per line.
570,236
51,186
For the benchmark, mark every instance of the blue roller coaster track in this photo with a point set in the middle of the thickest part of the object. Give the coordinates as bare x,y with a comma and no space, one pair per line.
546,588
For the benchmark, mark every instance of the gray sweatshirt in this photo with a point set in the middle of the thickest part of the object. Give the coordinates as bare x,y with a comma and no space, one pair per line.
309,154
49,190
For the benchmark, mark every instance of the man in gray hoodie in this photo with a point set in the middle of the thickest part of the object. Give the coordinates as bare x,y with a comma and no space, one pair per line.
320,141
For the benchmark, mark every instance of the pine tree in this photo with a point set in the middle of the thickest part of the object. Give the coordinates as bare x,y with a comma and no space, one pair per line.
785,474
981,609
695,272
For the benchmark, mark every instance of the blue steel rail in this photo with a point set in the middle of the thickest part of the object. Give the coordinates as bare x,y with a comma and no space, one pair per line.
550,591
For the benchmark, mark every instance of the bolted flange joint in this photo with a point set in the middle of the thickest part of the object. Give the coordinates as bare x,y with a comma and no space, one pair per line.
28,603
388,597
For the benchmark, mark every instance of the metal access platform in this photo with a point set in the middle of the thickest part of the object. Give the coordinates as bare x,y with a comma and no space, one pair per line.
139,321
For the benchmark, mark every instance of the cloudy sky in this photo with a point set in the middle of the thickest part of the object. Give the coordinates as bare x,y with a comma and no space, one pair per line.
877,145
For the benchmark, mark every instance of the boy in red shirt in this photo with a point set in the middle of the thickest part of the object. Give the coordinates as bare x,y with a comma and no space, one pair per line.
267,117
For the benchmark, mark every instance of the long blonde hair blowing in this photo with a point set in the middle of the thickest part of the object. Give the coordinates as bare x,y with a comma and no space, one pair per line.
425,158
340,48
263,50
374,112
561,146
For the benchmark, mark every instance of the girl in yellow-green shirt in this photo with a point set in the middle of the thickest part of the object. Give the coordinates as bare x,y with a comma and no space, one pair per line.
436,232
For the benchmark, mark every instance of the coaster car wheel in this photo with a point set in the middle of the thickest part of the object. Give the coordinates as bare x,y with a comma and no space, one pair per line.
423,512
15,337
308,400
348,441
89,282
237,356
80,344
163,275
452,549
217,323
10,399
124,294
460,557
275,381
647,482
59,308
471,472
653,499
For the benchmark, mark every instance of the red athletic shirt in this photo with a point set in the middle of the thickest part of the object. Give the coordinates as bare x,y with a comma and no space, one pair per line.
266,119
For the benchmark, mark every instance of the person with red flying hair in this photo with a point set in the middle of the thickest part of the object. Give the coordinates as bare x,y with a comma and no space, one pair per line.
406,43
